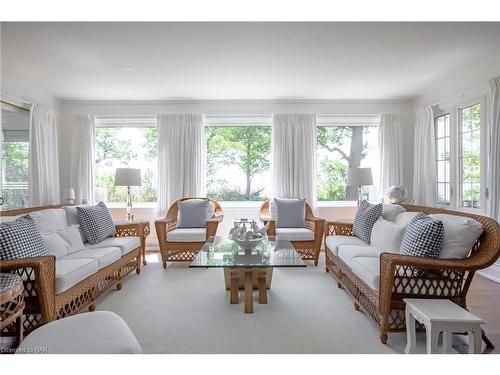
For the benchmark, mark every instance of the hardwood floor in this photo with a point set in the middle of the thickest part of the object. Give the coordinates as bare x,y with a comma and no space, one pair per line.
484,301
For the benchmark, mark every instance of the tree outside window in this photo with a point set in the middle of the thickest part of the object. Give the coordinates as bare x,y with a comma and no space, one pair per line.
237,162
118,147
15,177
341,148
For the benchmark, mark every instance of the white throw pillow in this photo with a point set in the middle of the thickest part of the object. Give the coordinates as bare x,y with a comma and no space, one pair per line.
460,234
56,245
390,211
387,236
73,237
49,220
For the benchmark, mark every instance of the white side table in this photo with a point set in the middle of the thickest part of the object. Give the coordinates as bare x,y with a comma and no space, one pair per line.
441,315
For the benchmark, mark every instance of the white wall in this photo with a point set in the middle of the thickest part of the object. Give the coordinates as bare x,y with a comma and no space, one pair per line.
236,107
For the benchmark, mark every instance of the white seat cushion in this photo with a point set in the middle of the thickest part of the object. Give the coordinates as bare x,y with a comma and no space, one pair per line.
348,252
295,234
187,235
104,256
126,244
98,332
71,271
367,269
333,242
56,245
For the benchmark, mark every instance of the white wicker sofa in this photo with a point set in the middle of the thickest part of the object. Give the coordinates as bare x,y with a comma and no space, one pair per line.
69,278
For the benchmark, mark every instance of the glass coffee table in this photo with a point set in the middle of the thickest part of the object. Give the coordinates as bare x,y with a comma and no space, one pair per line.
247,269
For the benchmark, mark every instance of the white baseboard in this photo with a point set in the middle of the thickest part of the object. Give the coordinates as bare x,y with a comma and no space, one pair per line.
492,273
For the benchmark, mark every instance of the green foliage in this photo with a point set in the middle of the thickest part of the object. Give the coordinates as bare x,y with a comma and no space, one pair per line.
16,161
332,174
151,143
247,148
331,181
15,193
110,147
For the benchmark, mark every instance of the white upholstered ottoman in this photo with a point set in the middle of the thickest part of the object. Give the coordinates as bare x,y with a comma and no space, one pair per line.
97,332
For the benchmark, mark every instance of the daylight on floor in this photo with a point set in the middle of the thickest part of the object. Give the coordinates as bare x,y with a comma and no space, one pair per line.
250,188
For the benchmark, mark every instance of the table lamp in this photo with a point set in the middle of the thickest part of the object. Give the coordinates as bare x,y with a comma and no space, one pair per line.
359,177
69,196
128,177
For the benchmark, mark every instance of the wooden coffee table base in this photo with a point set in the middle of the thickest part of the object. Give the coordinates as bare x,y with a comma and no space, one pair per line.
248,279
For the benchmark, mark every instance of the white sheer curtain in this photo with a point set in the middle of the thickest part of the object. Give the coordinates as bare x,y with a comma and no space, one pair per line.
180,156
294,156
83,157
43,157
390,152
493,133
424,165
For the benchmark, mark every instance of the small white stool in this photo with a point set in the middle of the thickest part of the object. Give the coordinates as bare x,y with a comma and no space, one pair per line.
98,332
441,315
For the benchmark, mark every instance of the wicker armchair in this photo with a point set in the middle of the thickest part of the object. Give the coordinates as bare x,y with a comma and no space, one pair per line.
403,276
308,250
43,304
183,251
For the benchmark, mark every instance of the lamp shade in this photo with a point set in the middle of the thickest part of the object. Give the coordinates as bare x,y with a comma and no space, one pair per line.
128,177
69,194
359,177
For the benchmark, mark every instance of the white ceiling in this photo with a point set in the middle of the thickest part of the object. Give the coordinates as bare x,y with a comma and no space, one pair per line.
240,60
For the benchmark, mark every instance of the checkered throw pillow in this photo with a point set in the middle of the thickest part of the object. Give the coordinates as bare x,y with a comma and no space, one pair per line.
95,222
423,237
366,215
21,239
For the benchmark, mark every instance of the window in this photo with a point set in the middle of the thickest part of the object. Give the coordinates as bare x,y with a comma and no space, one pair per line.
14,155
458,150
338,149
442,125
470,156
15,174
128,146
237,162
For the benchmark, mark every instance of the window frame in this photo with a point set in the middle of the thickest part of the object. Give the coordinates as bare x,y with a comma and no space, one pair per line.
146,121
456,148
323,120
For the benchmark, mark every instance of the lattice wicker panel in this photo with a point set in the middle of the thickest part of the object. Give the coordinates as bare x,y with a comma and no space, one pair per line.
7,312
307,254
436,283
181,256
339,229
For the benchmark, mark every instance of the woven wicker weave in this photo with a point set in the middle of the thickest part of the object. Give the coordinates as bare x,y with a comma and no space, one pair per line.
183,251
403,276
308,250
43,305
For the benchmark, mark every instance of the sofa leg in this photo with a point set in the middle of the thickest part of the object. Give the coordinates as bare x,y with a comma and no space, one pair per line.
339,285
316,262
92,307
119,286
138,270
356,306
327,270
164,265
383,337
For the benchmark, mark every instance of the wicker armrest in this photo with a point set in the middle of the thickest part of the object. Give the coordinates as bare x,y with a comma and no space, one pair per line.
339,228
44,269
163,226
212,225
124,230
399,266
